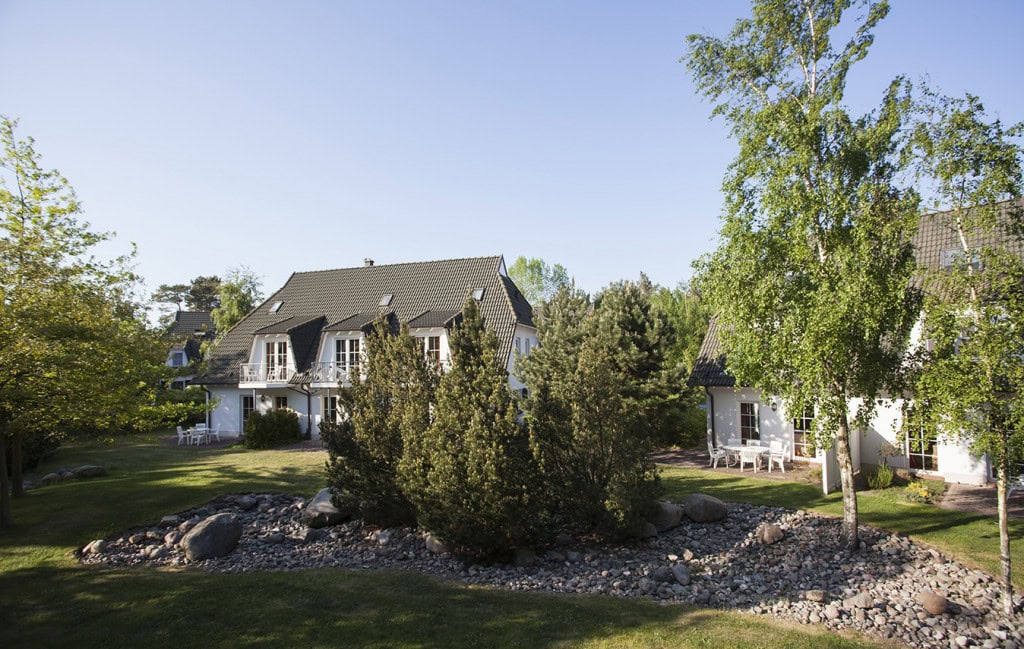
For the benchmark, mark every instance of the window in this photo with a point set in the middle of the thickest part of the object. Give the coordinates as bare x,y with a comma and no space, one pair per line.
177,358
248,406
280,402
478,294
748,422
922,449
385,300
331,409
957,258
519,345
801,431
527,348
275,307
277,360
432,348
346,354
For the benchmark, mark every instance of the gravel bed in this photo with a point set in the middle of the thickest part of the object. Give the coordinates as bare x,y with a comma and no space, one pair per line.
805,577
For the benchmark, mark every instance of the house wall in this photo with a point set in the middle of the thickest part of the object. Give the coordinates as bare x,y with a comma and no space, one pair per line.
955,461
525,336
227,413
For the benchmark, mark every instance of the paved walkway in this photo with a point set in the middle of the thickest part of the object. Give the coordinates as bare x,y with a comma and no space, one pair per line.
958,497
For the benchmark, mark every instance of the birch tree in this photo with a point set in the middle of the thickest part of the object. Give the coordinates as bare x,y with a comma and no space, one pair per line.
972,375
811,280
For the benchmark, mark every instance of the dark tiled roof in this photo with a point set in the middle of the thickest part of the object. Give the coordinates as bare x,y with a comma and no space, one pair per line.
437,286
187,323
280,327
934,236
429,319
357,322
709,368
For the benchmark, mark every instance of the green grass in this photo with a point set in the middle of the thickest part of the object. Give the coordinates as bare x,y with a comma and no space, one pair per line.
972,538
47,599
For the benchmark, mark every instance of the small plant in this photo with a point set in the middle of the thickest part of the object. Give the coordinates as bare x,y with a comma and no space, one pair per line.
276,427
814,476
919,491
881,477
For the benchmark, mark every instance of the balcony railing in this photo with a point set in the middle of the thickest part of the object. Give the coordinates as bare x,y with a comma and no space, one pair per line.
264,373
330,373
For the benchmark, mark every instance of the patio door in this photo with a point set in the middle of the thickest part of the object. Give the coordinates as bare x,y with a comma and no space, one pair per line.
248,404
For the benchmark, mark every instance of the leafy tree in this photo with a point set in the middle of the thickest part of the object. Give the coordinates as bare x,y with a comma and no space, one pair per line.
812,278
688,318
171,294
471,475
391,403
972,379
239,294
203,293
75,354
536,279
595,395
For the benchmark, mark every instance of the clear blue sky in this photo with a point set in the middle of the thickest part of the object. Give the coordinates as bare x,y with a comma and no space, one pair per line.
290,136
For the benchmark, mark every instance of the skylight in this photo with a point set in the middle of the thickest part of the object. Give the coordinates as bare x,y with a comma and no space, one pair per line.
386,300
478,294
276,306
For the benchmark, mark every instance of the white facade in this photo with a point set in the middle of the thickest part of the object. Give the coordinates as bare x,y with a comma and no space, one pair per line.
524,341
954,460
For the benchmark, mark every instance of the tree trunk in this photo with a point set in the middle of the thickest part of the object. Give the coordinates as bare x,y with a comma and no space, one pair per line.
845,459
17,479
6,520
1004,530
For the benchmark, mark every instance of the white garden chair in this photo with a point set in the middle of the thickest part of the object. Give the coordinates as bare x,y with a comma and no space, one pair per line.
183,436
777,452
716,455
214,433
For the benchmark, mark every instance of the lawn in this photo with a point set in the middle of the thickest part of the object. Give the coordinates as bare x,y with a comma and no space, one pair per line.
972,538
48,600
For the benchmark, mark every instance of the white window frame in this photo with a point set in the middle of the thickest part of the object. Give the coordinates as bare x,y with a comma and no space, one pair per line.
756,414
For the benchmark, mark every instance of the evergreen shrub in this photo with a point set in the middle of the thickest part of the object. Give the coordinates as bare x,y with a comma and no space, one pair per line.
277,427
881,477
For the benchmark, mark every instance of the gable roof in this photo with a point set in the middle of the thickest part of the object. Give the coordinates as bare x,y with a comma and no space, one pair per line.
349,299
186,323
934,237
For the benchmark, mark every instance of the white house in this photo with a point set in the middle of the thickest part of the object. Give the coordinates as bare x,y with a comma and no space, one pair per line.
308,339
736,414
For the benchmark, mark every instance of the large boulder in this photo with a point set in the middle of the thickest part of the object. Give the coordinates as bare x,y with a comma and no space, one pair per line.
933,603
88,471
702,508
215,536
665,516
769,533
325,509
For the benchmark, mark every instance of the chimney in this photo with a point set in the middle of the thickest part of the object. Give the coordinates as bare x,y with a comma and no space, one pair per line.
367,262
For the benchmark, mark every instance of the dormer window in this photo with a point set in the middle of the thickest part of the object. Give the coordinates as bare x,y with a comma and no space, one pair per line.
276,306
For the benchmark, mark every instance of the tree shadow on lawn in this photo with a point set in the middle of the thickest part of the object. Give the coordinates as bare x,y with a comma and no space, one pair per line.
81,607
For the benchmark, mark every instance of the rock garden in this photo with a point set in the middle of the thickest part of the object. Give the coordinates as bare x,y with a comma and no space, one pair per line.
764,560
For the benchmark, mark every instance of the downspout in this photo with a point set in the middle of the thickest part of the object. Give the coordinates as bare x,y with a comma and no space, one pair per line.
711,412
207,415
305,389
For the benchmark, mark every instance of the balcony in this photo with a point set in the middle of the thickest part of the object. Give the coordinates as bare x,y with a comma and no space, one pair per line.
262,373
330,373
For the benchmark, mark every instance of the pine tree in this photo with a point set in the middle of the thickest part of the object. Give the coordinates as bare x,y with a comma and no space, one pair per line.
367,445
471,475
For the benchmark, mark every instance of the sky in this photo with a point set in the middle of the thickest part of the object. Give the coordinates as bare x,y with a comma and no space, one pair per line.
300,135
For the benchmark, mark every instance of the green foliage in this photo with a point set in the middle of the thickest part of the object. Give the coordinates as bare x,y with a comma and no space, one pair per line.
596,391
392,402
470,474
923,491
812,278
75,352
239,294
881,477
271,429
203,293
688,317
536,279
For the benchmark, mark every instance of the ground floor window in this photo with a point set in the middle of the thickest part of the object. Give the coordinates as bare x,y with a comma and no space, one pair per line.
801,434
330,409
748,422
922,449
248,405
280,402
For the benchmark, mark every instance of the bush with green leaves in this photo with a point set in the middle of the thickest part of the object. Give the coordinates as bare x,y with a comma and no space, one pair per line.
470,474
277,427
365,445
596,393
881,477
